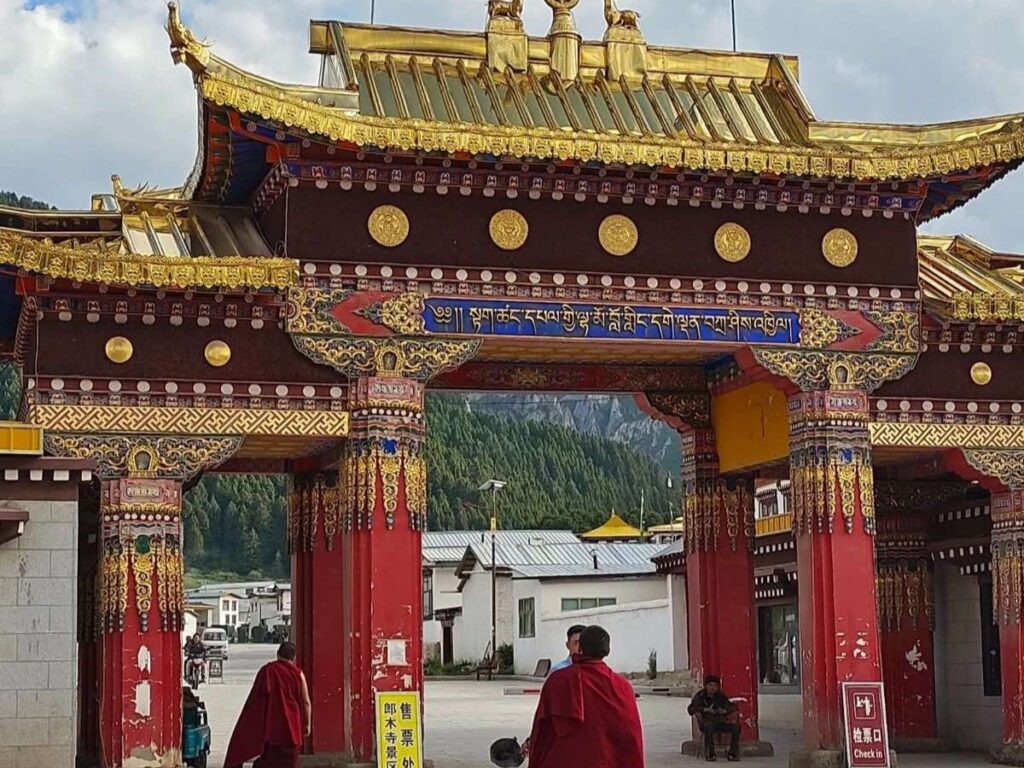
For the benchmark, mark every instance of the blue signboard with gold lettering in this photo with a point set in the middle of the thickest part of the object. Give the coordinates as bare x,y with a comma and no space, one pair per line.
494,317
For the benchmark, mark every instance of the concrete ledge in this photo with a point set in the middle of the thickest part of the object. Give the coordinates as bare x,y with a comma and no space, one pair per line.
747,749
1009,754
914,746
825,758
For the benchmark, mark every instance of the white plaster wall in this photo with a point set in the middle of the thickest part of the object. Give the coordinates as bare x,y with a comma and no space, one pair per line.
966,715
635,628
38,652
676,586
631,589
471,632
446,595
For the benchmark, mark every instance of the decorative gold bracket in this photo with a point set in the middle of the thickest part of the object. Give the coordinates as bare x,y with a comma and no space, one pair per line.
120,455
812,371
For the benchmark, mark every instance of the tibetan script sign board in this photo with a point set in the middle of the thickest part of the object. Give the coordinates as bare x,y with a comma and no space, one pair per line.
601,321
867,740
399,736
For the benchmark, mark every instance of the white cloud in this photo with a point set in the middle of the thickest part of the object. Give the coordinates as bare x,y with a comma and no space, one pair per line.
89,90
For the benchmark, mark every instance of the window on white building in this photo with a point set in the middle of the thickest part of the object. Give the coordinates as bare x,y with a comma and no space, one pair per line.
586,603
527,623
428,595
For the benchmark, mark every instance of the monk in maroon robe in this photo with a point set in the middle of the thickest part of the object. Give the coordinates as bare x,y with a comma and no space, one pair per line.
587,715
275,718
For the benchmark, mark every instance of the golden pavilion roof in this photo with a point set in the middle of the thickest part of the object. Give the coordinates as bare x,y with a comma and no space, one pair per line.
500,93
614,528
961,279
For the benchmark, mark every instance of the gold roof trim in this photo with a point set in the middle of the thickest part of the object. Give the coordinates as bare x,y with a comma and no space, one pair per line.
958,281
807,148
94,263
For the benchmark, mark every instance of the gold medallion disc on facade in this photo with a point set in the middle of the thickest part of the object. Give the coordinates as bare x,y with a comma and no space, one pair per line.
732,242
388,225
509,229
618,235
981,374
839,247
119,349
217,353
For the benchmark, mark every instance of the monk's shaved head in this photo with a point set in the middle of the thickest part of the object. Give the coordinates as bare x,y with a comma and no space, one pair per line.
595,643
286,651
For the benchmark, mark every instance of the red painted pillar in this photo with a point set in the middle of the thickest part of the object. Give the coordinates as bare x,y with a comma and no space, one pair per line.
832,492
141,599
906,610
384,479
718,517
314,522
1007,596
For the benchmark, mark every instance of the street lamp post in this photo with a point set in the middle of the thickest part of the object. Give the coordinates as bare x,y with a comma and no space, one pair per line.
494,486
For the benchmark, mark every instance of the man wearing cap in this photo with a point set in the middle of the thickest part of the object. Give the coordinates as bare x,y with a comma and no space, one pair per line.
572,644
712,708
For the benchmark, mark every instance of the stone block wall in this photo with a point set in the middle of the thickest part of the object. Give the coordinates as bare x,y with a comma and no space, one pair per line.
38,649
966,715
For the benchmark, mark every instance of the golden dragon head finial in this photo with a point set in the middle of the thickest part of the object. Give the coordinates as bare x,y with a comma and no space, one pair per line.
185,46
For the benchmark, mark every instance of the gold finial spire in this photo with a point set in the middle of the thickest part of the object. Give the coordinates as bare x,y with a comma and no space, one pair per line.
565,39
185,47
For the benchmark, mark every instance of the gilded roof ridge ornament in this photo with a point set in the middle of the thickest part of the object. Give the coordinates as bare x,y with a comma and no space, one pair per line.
507,43
185,46
565,39
625,47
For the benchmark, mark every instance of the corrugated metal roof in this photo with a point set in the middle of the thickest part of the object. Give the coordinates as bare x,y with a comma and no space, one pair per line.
577,553
580,570
677,547
434,539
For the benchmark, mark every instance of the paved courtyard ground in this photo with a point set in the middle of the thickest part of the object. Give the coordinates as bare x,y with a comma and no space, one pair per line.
463,718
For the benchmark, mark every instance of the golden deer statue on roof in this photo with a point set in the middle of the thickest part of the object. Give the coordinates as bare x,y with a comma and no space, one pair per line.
617,18
508,9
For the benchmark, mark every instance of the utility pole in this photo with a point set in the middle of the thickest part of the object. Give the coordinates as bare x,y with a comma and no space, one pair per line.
494,486
641,514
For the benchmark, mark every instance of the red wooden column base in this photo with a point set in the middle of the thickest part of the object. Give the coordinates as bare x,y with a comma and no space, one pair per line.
318,574
384,477
832,491
721,615
1008,603
141,599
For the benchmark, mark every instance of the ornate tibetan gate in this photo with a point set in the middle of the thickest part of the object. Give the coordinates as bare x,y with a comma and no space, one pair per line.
493,212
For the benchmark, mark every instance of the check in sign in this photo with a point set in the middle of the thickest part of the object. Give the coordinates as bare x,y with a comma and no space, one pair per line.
867,741
399,736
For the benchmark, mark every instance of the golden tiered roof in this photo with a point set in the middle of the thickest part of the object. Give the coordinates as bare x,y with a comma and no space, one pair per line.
962,279
615,528
500,93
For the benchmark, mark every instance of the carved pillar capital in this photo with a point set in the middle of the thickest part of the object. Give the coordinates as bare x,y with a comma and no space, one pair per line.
817,370
384,470
830,461
145,456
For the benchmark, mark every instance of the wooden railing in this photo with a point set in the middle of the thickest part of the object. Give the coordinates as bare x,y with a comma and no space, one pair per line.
768,526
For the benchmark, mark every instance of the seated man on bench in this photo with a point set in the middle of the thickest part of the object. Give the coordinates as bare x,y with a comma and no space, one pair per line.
712,709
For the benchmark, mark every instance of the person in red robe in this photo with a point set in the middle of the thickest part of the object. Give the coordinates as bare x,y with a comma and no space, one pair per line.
275,718
587,715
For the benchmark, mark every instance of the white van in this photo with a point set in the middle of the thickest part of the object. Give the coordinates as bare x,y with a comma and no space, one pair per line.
216,642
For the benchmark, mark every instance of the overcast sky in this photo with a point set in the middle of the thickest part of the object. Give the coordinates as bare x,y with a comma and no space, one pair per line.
87,87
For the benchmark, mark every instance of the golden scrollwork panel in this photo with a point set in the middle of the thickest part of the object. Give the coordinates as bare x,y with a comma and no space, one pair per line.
189,421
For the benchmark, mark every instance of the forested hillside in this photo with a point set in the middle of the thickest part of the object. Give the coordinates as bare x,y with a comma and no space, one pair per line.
558,478
11,199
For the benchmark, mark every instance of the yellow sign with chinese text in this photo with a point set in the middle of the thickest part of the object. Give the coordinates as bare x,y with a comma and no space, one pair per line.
399,736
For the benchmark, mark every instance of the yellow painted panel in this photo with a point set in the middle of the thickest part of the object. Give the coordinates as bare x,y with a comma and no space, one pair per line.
22,439
751,426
